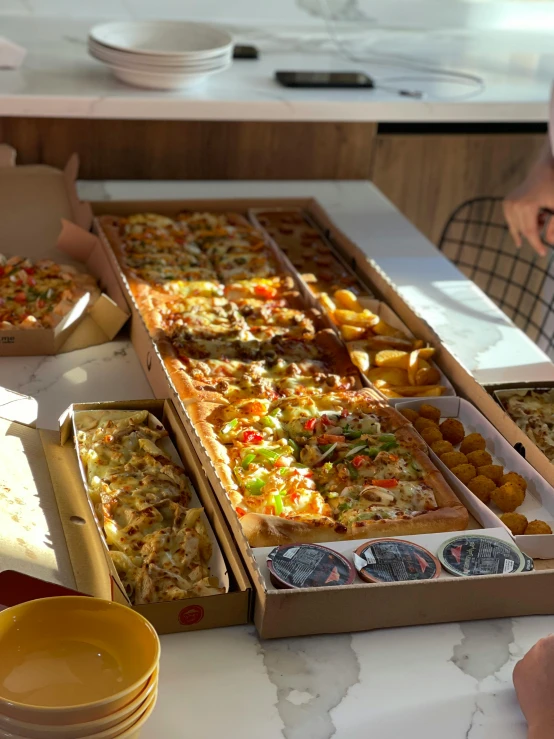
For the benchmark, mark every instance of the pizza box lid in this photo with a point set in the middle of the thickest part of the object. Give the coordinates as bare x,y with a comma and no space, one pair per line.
35,202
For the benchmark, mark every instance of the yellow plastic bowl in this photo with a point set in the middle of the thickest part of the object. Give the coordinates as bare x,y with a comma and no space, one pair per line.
77,731
73,659
131,724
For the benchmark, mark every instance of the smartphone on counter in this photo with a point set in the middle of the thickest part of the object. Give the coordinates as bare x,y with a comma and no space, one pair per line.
243,51
324,79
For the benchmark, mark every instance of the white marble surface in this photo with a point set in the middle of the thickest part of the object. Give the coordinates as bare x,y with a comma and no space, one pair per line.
516,66
424,682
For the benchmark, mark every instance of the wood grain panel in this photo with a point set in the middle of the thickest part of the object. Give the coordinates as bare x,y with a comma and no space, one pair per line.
428,176
119,149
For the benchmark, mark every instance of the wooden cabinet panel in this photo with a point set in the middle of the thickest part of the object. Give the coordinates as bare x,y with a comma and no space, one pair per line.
128,149
427,176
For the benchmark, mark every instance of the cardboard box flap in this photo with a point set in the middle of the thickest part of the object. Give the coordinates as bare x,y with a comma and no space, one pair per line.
31,534
51,195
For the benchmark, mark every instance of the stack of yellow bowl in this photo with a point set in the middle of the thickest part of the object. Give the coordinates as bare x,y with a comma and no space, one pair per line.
76,667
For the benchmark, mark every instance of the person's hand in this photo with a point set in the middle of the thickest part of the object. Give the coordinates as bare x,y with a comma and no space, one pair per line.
534,684
522,206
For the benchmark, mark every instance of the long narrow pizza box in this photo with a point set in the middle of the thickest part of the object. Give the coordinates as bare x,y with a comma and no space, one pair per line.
34,200
358,606
48,529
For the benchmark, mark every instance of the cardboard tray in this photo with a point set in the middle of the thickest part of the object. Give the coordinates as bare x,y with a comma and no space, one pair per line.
35,200
356,607
539,500
48,530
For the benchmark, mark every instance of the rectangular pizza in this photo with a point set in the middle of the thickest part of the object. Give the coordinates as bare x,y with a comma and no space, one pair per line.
302,451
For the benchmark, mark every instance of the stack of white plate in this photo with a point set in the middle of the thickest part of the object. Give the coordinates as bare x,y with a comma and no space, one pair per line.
161,55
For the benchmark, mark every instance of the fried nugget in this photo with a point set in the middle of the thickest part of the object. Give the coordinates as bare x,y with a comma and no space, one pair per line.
411,415
508,497
515,478
453,459
482,487
442,447
430,412
464,472
494,471
472,443
537,527
431,434
452,430
423,423
479,457
516,522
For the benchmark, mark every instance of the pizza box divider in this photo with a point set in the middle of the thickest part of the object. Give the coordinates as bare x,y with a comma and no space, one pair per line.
353,607
167,617
51,196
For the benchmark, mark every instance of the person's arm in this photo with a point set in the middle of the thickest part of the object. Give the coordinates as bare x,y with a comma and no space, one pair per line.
522,206
534,684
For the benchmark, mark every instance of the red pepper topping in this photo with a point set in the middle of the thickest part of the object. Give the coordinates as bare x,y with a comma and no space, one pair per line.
20,297
252,437
393,482
310,424
344,413
264,291
241,512
2,271
29,270
358,460
325,421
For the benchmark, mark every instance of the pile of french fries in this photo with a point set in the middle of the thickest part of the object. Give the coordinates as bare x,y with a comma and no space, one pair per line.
397,364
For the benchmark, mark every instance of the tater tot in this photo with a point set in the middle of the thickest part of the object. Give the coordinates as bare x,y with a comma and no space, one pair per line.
453,459
452,430
411,415
423,423
430,412
464,472
508,497
537,527
482,487
472,442
515,478
516,522
479,457
494,471
442,447
431,434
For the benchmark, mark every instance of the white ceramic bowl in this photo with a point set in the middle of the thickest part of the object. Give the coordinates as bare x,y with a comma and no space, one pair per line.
160,81
134,61
164,39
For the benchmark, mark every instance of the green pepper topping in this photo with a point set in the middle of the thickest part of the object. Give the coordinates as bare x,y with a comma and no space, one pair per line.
294,446
229,426
278,501
269,454
255,486
352,470
387,437
247,460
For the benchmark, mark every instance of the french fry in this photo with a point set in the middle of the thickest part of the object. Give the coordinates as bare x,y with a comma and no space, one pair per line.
413,366
389,393
427,376
418,344
350,333
416,391
360,359
427,352
347,299
328,304
389,342
392,358
391,375
365,319
382,328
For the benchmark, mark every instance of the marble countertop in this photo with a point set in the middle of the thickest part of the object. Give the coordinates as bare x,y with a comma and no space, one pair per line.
59,79
431,682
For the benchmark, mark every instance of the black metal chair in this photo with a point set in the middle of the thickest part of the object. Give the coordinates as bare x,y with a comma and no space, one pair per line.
477,240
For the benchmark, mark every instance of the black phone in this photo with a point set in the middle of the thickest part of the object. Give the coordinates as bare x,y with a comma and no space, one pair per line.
324,79
242,51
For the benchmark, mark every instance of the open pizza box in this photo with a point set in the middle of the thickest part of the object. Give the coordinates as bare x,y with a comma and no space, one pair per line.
34,201
359,606
48,530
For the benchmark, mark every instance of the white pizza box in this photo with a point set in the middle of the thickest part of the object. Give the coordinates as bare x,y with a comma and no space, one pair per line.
34,200
539,500
48,531
354,607
15,406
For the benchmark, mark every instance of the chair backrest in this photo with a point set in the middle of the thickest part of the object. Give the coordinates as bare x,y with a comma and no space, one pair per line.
477,240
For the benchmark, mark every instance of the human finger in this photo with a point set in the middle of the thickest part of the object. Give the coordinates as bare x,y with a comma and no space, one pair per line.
510,214
529,227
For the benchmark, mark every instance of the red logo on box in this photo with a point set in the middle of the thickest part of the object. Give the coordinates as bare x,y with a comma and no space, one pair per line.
191,615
